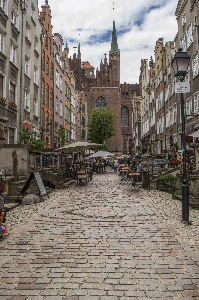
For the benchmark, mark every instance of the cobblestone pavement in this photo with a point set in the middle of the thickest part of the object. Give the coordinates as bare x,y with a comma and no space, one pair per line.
100,242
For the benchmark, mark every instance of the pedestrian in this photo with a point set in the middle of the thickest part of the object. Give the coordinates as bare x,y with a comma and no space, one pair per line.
115,165
2,214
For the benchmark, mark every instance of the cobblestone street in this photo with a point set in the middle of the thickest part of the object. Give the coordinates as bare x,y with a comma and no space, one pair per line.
100,242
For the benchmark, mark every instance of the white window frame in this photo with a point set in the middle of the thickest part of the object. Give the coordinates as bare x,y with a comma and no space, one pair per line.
28,32
2,41
33,15
189,110
56,105
4,5
36,74
27,101
183,19
183,43
196,102
13,54
60,83
189,33
35,106
57,78
195,66
27,65
60,109
15,17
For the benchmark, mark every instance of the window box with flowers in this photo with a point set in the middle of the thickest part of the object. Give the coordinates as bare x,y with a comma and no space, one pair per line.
12,105
2,100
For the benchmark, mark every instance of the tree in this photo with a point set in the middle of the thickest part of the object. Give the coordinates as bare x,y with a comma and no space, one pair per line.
101,125
61,136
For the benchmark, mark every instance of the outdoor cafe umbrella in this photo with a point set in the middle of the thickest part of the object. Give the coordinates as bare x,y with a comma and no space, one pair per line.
102,154
77,146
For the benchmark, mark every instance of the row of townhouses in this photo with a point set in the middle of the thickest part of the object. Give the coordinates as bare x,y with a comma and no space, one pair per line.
37,85
41,84
159,107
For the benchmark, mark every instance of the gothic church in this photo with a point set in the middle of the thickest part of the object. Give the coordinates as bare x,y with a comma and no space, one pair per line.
105,90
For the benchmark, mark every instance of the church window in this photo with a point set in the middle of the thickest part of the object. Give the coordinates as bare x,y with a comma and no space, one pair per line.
125,116
100,102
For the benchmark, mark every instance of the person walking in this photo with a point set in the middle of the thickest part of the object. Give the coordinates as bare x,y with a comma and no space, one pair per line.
115,165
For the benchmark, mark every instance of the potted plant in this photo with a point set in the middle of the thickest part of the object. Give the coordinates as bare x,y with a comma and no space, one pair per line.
166,182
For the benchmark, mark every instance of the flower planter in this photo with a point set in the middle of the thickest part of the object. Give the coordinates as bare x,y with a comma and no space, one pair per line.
12,107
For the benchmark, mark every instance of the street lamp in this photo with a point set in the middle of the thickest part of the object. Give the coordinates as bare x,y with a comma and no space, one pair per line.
180,66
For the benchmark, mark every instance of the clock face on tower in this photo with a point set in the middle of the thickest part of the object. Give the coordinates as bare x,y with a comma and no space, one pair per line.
100,102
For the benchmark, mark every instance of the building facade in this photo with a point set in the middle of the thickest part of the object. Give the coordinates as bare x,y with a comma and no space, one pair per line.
47,77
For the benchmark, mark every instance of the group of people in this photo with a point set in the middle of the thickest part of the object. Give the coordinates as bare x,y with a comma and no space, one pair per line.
115,163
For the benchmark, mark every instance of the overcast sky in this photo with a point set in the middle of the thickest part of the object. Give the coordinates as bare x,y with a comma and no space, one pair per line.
139,24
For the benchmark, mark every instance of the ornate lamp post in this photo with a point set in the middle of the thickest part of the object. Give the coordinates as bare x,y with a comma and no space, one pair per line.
180,66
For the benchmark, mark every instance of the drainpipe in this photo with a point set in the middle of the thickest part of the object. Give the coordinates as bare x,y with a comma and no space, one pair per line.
23,10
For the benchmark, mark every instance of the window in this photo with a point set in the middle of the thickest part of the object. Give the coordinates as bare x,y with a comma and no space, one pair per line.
47,67
36,74
83,134
1,86
12,93
43,61
60,108
11,135
195,68
196,103
35,108
51,100
33,12
170,116
27,101
47,97
60,83
27,65
15,17
100,102
183,42
51,72
36,44
1,42
125,116
3,5
28,32
189,108
189,33
183,19
13,54
174,114
42,93
56,105
57,78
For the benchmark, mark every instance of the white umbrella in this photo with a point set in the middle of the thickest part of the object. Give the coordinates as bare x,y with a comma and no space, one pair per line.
102,154
194,134
77,146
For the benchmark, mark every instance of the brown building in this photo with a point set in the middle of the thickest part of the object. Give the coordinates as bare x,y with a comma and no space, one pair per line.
105,90
47,85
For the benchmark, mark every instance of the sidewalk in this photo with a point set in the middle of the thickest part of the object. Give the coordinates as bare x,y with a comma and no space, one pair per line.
100,242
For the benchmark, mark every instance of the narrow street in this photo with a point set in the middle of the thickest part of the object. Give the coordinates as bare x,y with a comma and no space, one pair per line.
100,242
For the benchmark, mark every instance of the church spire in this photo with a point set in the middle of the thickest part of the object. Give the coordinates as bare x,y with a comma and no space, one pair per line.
114,44
79,53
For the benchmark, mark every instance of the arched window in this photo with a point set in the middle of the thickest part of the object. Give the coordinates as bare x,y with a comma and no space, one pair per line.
100,102
125,116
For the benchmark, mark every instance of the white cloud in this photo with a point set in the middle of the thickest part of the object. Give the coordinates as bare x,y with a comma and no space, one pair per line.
142,22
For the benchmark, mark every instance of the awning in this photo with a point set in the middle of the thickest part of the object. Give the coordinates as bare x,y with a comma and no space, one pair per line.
194,134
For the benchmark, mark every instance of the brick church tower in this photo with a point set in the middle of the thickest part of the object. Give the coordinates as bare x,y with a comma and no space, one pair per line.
103,89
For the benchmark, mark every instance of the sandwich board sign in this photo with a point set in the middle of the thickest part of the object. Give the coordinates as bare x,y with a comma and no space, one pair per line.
40,184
